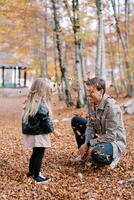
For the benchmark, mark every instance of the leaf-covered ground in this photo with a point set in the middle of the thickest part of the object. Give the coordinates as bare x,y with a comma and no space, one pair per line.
69,182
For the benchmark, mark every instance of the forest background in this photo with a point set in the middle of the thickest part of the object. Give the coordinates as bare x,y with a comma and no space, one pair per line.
67,41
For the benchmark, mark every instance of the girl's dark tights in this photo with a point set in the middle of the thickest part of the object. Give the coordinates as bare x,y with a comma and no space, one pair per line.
36,160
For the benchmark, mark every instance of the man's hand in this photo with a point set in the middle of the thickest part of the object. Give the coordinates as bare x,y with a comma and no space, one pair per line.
83,150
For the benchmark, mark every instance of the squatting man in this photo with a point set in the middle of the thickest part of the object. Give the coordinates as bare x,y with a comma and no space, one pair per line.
103,132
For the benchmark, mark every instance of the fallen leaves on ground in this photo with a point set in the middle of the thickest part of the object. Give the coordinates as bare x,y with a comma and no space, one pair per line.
68,182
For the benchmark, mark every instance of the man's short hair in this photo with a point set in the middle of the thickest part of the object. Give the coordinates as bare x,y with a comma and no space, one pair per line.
100,83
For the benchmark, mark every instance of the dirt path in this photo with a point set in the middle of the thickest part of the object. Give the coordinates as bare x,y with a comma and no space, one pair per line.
69,182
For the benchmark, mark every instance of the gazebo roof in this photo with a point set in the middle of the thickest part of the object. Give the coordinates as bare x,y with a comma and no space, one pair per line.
9,60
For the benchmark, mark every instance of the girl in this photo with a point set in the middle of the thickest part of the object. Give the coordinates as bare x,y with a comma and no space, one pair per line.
36,126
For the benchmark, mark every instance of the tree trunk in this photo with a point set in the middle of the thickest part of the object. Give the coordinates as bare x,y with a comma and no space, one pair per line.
123,85
128,69
60,54
77,42
120,65
74,18
45,44
100,55
111,58
60,95
127,12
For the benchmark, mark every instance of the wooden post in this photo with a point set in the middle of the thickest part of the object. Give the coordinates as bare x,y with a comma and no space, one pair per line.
15,77
19,75
25,77
3,76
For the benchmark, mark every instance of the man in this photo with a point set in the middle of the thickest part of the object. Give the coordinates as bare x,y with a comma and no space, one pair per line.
104,131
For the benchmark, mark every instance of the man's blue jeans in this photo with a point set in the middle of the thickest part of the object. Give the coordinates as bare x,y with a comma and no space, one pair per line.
102,153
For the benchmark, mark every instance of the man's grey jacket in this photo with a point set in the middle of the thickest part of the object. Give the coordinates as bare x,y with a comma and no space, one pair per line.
111,127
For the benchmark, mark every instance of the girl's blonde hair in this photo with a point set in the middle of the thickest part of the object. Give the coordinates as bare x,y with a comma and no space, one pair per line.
40,92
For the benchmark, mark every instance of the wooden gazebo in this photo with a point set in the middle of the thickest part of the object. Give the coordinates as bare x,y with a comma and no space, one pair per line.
12,74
